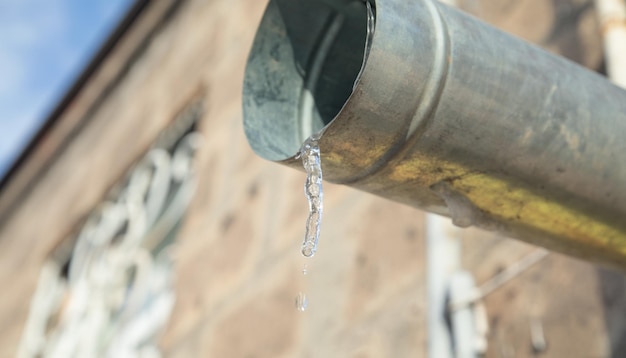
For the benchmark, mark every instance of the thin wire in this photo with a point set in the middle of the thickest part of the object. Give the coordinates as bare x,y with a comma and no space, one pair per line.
501,278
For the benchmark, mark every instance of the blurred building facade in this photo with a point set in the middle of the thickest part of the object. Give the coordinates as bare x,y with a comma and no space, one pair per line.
166,88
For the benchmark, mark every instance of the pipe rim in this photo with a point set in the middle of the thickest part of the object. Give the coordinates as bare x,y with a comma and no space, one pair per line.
276,82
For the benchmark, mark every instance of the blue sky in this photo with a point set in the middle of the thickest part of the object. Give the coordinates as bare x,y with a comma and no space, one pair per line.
44,45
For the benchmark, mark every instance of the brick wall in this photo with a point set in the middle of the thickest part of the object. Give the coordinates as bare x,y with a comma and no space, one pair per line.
238,262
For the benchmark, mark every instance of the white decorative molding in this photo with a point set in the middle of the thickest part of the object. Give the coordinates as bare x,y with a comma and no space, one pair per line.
114,295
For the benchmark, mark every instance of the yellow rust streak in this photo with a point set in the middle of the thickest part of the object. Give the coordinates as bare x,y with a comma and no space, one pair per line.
362,156
520,205
506,203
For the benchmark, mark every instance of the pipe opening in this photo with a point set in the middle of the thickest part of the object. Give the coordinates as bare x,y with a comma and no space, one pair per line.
304,64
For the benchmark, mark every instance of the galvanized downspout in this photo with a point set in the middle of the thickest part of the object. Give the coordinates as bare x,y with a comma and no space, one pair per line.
448,115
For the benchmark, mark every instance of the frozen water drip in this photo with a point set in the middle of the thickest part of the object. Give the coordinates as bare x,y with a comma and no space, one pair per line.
310,155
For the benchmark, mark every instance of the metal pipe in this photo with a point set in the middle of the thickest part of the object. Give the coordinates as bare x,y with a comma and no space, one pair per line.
446,114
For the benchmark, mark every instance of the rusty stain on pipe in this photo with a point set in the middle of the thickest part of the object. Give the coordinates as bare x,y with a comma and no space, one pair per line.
448,115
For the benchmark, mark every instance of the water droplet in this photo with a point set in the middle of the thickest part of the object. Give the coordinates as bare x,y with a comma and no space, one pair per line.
308,250
310,155
305,270
301,302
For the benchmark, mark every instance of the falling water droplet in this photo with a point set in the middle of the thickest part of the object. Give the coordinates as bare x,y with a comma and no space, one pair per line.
310,154
301,302
305,270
